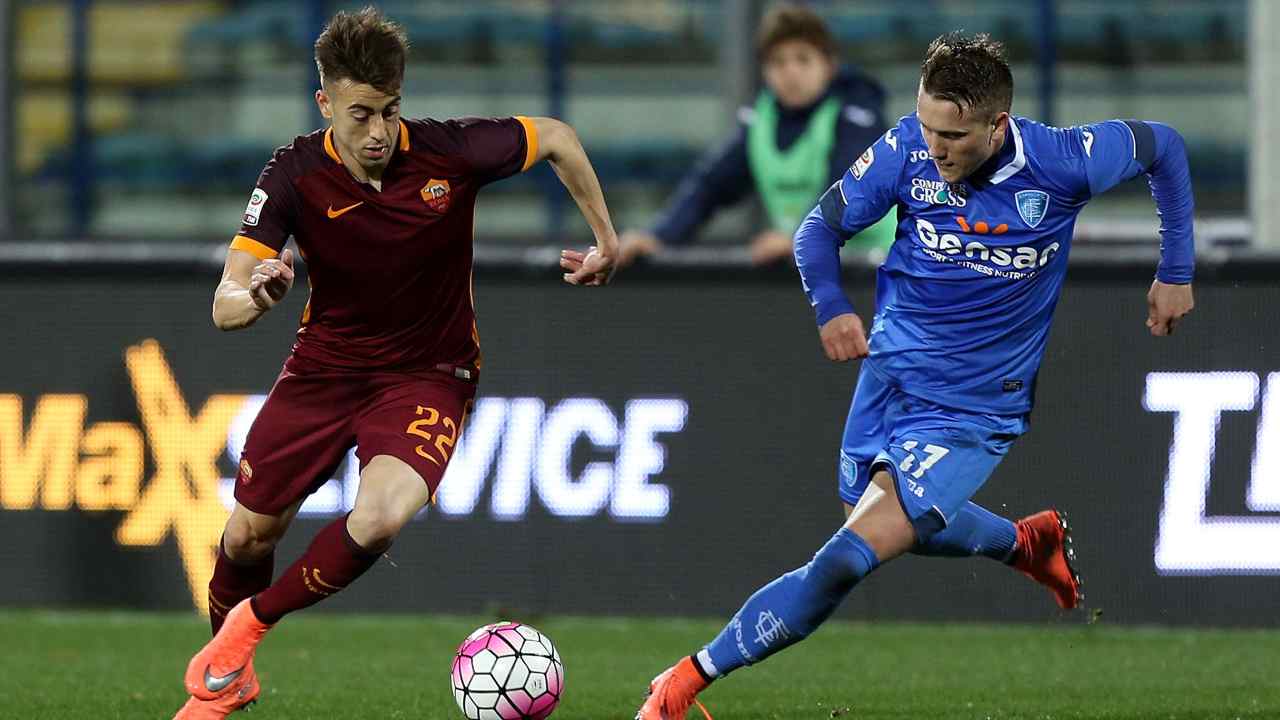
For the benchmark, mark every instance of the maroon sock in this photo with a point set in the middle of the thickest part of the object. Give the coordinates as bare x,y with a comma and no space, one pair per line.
331,563
234,581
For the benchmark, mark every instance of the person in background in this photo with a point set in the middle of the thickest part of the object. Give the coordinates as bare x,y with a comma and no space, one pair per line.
807,127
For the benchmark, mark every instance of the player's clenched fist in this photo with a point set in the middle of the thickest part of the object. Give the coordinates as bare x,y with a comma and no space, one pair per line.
843,338
271,279
1166,305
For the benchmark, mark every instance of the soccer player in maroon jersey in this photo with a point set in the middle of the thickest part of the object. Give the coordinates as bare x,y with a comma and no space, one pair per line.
387,356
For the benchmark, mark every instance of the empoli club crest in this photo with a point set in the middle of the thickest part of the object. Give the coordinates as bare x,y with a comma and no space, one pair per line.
1032,205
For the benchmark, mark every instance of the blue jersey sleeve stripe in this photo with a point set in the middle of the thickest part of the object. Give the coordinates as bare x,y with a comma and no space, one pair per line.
832,205
817,253
1144,143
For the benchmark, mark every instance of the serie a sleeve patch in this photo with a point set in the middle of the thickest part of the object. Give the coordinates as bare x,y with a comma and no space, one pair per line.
253,211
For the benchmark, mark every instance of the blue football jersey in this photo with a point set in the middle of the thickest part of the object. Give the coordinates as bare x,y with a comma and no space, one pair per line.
965,298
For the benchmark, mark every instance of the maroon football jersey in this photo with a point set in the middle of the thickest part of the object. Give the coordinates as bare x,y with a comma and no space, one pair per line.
390,271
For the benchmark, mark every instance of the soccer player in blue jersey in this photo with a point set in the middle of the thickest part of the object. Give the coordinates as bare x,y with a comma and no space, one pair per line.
986,205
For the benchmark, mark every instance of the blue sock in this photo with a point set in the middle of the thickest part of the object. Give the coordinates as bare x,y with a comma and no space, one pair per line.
787,610
974,531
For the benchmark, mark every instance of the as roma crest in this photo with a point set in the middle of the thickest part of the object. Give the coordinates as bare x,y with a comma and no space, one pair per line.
436,195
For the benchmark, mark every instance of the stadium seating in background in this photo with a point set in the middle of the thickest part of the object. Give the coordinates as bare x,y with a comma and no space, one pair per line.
134,46
189,97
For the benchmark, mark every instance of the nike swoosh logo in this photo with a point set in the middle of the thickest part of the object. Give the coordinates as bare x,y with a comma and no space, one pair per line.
218,684
336,213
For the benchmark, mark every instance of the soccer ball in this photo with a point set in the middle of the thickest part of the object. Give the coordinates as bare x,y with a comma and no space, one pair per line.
507,671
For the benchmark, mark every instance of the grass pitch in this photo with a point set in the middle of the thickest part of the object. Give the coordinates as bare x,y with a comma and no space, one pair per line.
56,665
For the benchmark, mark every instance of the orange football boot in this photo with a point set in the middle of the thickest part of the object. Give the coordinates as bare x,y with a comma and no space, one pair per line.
215,670
240,695
673,692
1045,555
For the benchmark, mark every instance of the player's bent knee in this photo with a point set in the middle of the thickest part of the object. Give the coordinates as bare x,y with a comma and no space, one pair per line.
374,526
375,522
391,493
243,539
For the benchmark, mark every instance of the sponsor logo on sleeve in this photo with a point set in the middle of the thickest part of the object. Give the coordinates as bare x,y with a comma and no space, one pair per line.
890,139
862,164
1088,142
253,210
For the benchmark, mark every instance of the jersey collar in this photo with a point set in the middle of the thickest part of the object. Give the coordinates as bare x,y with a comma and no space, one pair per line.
1019,157
332,151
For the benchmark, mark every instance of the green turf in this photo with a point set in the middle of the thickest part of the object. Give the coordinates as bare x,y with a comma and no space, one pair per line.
118,665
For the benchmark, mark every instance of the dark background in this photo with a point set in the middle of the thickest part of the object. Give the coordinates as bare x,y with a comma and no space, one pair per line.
752,474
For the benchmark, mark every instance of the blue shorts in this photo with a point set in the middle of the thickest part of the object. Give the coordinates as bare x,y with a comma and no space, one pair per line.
939,457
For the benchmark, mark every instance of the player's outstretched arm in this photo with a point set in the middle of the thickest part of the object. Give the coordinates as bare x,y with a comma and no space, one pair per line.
559,145
1117,150
250,287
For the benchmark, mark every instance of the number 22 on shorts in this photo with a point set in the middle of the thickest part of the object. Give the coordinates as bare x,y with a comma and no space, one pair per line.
442,442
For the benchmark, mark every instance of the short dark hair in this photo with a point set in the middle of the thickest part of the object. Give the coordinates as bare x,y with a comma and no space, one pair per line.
363,47
785,22
970,71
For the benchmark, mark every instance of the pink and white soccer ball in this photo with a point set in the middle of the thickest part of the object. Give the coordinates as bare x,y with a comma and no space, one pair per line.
507,671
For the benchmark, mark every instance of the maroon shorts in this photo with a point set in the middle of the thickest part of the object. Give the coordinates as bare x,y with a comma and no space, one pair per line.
311,419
